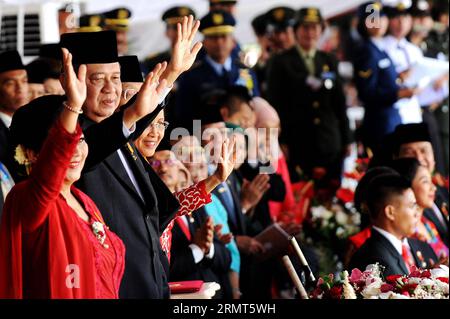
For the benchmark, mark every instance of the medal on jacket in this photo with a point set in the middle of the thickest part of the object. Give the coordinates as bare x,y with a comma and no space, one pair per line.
423,264
131,150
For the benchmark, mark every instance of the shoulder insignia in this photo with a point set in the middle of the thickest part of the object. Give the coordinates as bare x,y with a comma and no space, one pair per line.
365,74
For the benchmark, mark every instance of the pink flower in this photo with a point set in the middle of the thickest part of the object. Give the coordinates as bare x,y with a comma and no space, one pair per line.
356,275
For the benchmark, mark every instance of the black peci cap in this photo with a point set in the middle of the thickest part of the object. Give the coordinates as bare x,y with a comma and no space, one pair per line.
91,47
209,111
41,69
50,51
175,15
31,123
410,133
130,69
10,61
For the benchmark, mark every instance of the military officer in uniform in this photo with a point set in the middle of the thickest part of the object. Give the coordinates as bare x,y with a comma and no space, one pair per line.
376,78
118,21
304,87
280,22
216,70
171,17
225,5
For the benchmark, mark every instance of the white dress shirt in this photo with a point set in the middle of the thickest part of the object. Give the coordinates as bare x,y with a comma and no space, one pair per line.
6,119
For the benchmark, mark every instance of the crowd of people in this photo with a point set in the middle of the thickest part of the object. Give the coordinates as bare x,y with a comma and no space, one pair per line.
120,176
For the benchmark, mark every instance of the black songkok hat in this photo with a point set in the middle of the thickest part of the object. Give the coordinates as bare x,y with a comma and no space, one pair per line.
164,145
175,15
410,133
41,69
91,47
10,60
51,51
280,18
31,123
130,69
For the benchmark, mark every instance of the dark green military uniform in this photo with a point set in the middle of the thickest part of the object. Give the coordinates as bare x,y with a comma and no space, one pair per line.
314,123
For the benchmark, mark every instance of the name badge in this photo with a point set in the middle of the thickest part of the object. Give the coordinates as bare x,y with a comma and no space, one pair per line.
384,63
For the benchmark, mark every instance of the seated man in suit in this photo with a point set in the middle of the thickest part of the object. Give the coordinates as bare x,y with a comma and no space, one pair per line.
392,206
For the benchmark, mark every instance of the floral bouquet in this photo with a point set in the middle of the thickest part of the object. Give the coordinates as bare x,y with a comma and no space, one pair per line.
370,284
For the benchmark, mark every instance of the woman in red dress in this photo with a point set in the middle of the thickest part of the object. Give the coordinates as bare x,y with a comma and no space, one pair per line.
53,241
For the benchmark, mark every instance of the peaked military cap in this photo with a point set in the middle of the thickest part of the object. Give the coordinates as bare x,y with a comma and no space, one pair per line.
117,19
217,22
91,47
420,8
130,69
91,23
309,15
10,60
175,14
398,8
371,8
223,1
259,24
279,18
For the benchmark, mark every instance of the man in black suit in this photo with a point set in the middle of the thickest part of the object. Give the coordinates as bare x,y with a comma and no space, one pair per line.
14,93
304,87
394,215
134,201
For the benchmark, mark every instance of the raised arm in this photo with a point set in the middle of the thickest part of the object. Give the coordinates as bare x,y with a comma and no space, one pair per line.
49,171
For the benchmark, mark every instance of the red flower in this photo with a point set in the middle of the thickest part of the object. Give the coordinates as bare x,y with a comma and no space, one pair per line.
425,274
345,195
409,288
393,278
318,173
386,288
443,279
336,292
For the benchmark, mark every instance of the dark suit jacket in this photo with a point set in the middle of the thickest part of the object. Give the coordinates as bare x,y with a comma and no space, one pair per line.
378,249
314,123
183,266
236,219
138,222
7,153
440,227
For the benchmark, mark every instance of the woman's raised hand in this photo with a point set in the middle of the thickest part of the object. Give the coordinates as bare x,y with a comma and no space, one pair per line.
74,84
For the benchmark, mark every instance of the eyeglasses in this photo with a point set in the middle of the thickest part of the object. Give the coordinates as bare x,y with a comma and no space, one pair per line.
157,163
129,93
160,126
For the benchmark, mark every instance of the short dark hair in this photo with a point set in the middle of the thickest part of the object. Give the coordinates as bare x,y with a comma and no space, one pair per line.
383,190
234,97
406,167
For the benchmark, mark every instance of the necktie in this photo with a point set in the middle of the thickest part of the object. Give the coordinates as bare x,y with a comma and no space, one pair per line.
407,258
227,200
405,53
184,228
309,62
225,76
